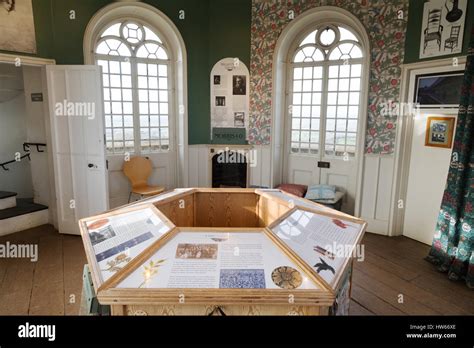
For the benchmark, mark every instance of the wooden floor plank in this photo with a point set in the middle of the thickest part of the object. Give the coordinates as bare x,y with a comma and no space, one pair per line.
454,292
390,266
15,293
409,305
48,286
408,289
374,303
74,259
356,309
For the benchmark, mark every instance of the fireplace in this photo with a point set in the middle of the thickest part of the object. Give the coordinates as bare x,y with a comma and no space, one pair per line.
229,168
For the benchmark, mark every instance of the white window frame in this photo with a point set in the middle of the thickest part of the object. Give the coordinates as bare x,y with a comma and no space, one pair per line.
134,61
325,64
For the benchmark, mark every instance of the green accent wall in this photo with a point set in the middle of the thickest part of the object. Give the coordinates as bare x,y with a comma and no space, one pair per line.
212,29
414,30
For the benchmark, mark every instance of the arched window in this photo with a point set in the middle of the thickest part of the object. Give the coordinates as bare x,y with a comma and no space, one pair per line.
137,87
325,92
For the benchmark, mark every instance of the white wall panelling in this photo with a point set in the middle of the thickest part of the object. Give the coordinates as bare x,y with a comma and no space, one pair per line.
376,192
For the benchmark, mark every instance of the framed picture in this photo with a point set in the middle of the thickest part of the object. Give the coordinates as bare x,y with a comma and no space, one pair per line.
442,27
239,85
217,79
439,131
220,101
17,26
239,119
439,90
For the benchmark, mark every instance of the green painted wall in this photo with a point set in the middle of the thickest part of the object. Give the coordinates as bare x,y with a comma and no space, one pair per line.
212,29
413,38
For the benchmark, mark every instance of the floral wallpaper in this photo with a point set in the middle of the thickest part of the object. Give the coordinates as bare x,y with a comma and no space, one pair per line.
386,31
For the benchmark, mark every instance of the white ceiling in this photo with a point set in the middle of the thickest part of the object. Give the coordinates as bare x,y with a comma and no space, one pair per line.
11,82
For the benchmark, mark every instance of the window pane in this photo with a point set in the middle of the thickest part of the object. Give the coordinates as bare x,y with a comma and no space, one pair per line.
342,98
308,73
317,85
332,85
356,70
298,73
355,84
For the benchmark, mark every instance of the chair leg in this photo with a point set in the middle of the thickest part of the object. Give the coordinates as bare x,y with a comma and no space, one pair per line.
129,196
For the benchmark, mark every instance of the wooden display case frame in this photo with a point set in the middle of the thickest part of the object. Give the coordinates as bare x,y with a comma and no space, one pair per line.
206,301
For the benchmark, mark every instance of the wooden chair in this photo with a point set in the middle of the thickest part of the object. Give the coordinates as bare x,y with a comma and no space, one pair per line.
434,29
453,40
137,170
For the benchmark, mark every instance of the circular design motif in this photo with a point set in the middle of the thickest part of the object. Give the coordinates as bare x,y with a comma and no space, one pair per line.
327,37
466,227
287,277
133,33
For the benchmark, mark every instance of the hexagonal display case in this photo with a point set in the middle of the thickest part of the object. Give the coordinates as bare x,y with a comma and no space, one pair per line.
224,252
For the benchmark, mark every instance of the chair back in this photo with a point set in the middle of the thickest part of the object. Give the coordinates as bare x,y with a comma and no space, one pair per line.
137,170
455,32
434,21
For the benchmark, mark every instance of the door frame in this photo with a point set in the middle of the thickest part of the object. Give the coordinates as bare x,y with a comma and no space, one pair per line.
404,139
280,79
41,63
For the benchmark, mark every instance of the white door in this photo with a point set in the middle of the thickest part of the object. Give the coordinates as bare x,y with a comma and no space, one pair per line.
426,182
324,134
77,134
428,166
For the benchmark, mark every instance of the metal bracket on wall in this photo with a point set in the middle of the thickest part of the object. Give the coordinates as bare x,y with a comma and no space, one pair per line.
26,146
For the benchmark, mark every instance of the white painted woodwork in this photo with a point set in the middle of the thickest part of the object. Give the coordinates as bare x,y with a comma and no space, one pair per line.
24,222
376,192
77,145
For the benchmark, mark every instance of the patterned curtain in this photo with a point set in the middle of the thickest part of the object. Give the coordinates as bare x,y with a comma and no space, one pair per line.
453,243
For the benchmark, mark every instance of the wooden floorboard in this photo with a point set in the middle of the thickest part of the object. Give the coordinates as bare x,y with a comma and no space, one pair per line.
391,267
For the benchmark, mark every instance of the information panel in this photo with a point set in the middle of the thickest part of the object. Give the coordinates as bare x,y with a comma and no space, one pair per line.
218,260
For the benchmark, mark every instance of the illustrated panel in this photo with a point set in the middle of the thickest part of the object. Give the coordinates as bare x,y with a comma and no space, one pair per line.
323,242
117,239
218,260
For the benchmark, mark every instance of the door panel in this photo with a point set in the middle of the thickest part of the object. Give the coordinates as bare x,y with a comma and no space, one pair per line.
343,175
427,175
77,128
299,172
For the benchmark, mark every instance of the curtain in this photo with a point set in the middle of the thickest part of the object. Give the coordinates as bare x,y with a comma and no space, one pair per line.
453,243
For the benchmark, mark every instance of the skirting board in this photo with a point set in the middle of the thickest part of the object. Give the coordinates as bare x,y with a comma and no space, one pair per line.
377,226
24,222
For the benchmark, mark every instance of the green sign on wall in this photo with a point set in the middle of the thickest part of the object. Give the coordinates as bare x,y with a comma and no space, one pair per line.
231,136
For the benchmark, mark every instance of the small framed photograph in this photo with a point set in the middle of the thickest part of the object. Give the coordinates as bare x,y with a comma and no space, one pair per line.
220,101
440,90
217,79
239,85
439,131
239,119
